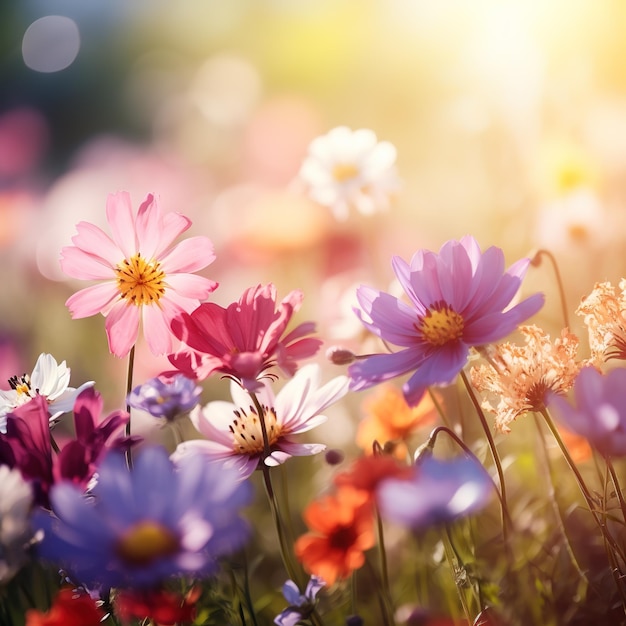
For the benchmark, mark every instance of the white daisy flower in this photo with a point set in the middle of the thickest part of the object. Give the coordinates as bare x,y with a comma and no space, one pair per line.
347,169
49,379
233,431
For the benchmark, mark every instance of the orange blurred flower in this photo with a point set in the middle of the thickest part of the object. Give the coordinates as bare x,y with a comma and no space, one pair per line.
342,528
577,445
390,420
70,608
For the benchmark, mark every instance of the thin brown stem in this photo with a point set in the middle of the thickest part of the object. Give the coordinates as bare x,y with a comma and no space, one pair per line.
536,260
129,388
494,453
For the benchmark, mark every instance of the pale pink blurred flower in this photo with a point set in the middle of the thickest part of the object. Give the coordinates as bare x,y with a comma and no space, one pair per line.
347,169
233,431
144,275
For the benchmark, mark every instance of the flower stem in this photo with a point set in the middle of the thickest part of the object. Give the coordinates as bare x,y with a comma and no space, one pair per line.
536,260
129,388
271,496
616,485
609,539
494,453
383,558
547,470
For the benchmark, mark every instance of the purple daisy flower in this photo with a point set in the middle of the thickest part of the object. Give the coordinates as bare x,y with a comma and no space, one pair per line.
457,299
599,410
145,525
301,605
166,396
440,492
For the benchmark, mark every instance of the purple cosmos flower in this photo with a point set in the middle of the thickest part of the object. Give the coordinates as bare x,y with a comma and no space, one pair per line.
439,492
233,431
599,410
166,396
457,300
300,605
146,524
245,339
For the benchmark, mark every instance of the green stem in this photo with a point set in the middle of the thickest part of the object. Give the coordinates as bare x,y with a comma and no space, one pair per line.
616,485
610,541
547,470
129,388
383,558
271,496
494,453
452,556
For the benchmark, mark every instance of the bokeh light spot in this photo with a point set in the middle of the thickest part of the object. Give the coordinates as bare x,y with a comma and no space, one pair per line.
51,43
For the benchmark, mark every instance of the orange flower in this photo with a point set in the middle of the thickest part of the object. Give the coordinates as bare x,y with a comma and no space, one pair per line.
390,420
343,529
69,608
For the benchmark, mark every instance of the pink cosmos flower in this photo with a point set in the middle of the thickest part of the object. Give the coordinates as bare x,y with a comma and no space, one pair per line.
244,339
233,430
144,276
457,300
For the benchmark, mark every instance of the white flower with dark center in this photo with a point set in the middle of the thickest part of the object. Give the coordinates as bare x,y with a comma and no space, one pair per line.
234,432
49,379
350,169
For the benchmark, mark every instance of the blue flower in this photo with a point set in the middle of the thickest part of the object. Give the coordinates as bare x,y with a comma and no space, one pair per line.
166,397
300,605
439,492
147,524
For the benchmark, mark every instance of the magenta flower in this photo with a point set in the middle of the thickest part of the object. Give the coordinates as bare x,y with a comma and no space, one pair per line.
144,276
599,410
233,431
245,339
457,299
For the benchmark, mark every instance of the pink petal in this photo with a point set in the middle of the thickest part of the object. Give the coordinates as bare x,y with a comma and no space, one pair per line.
172,225
122,328
191,285
92,300
120,217
80,264
190,255
94,240
148,227
156,327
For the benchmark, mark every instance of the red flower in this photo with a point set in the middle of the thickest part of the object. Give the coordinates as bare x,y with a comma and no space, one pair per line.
343,529
243,340
70,608
368,471
162,606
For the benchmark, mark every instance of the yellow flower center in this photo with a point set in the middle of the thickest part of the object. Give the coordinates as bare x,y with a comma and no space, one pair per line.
21,384
145,542
140,281
440,325
247,432
344,171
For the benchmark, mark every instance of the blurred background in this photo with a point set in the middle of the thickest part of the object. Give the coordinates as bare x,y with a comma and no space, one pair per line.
509,117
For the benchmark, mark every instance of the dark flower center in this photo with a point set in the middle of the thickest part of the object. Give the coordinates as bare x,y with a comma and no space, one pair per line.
342,538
